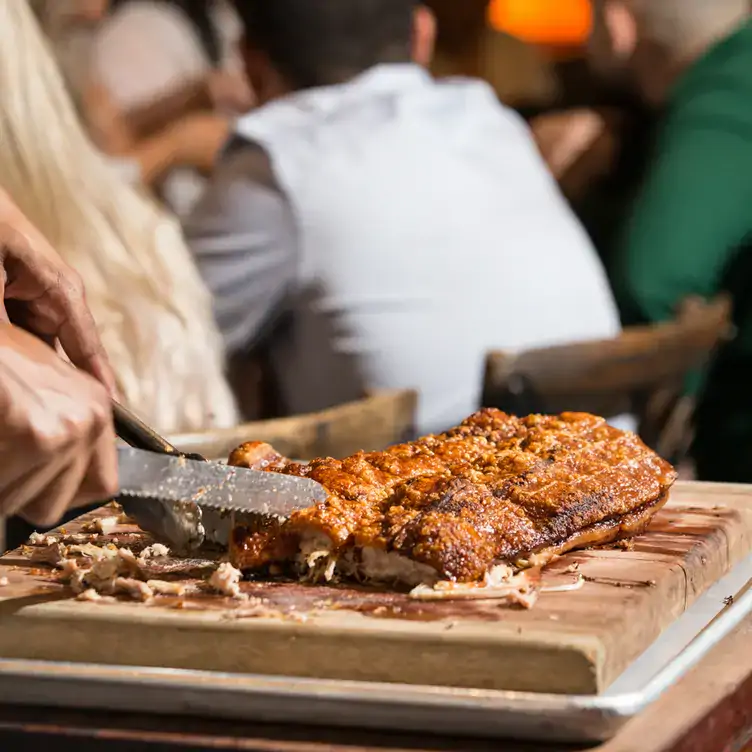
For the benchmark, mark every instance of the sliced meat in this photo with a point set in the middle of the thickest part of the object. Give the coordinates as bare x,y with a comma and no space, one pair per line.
496,490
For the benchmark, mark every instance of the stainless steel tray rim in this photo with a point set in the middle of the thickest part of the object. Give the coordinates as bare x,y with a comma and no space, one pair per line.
539,715
303,688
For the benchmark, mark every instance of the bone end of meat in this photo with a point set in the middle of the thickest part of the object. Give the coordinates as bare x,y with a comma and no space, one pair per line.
256,455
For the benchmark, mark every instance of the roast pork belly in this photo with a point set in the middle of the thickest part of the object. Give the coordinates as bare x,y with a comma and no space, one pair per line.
473,505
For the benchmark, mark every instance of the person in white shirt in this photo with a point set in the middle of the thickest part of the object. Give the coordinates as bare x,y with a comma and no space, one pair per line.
381,229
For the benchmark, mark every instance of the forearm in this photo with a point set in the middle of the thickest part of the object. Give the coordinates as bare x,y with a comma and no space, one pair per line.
195,142
150,118
155,157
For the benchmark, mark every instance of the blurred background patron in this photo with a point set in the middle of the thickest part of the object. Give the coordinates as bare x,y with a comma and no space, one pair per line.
153,312
403,226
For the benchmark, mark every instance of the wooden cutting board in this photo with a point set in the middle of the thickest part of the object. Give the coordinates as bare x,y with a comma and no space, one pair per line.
574,642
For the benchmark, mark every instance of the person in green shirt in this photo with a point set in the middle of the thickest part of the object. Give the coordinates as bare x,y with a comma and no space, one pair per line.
689,230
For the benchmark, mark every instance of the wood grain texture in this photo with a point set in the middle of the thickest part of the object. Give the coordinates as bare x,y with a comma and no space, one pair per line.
642,357
577,641
642,371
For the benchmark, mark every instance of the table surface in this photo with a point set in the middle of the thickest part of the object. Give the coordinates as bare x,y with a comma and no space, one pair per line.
709,710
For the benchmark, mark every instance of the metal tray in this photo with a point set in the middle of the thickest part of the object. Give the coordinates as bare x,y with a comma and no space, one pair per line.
398,707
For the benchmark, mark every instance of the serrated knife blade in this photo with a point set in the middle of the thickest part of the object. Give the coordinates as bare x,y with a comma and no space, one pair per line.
167,495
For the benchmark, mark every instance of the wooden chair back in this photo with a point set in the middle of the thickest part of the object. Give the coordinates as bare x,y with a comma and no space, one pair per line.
643,371
372,423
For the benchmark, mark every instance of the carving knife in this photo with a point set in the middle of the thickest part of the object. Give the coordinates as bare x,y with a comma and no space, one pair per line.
184,501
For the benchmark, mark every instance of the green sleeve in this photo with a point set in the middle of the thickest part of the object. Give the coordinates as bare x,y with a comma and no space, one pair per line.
692,215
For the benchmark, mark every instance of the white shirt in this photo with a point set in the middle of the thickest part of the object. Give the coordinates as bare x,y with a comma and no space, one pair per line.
428,231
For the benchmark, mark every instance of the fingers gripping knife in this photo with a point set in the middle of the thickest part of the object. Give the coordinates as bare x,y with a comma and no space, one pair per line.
185,499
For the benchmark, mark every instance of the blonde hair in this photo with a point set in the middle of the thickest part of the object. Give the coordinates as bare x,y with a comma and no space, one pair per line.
153,312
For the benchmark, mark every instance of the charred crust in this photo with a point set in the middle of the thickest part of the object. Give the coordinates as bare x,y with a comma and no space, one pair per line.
496,489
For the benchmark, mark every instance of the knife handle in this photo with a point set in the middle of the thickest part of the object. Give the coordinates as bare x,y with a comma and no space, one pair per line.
134,432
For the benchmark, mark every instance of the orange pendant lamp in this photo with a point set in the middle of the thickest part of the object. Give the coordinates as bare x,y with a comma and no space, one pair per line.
551,23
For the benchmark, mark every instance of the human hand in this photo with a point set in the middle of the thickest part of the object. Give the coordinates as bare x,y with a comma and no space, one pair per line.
42,294
199,139
57,440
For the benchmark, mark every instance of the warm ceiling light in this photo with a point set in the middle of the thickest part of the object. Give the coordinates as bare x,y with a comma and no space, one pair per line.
549,22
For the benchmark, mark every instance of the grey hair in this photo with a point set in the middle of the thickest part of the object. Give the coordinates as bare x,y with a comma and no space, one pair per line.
682,26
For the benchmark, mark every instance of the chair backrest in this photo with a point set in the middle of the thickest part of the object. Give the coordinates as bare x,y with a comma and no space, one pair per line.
609,377
372,423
